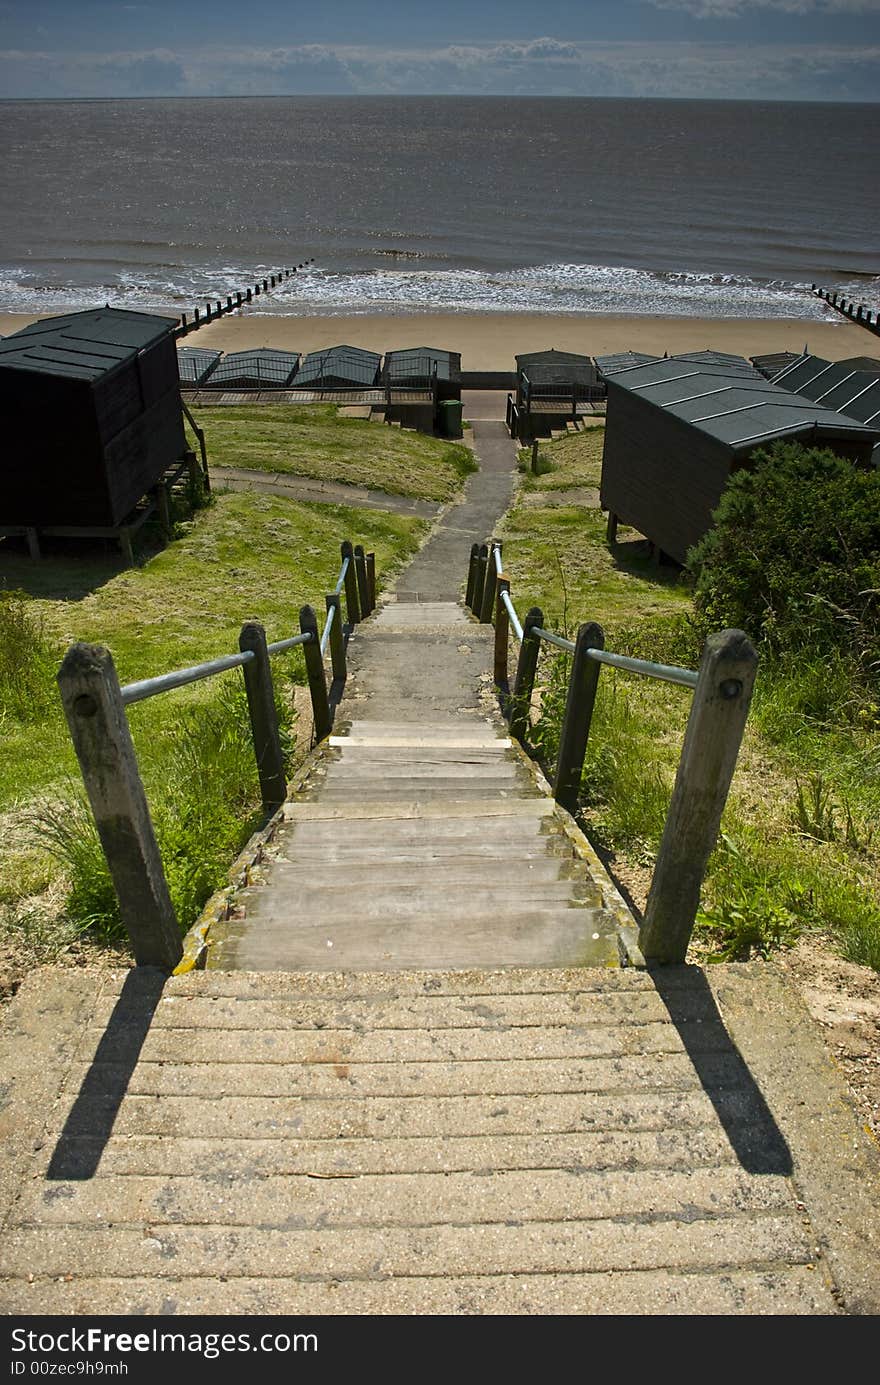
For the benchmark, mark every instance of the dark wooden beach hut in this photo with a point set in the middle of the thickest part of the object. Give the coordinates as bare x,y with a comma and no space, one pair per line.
551,388
339,368
92,416
263,368
424,368
195,364
676,429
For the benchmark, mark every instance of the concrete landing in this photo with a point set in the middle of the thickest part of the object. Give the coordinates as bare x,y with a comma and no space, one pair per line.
520,1142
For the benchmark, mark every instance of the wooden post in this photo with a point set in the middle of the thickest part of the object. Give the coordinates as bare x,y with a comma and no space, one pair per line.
535,457
33,543
370,559
472,576
352,601
229,302
487,605
708,758
264,717
207,312
238,298
360,565
125,545
248,295
611,531
163,507
102,740
337,644
502,634
196,316
480,578
520,703
578,715
315,670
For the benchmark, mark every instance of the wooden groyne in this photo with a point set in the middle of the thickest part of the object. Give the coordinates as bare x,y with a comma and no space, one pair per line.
856,312
216,308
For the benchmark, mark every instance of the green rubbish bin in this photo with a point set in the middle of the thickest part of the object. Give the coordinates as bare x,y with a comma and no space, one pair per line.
450,418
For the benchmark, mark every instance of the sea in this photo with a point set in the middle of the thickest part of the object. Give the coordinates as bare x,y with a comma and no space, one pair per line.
440,204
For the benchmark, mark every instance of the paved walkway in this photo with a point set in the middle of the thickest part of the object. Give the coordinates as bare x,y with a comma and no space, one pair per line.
410,1131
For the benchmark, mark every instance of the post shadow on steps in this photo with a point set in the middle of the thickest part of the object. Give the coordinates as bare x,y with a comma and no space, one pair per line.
91,1118
748,1122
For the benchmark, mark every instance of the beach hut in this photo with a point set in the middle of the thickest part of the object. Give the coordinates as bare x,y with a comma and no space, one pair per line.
339,368
263,368
676,429
772,362
550,387
424,368
92,416
195,364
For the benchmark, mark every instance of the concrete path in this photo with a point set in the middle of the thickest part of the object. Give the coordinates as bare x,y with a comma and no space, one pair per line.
310,488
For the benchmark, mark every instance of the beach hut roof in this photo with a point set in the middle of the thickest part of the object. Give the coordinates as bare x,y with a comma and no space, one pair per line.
550,356
348,363
622,360
195,363
263,365
737,407
84,345
420,361
834,385
770,363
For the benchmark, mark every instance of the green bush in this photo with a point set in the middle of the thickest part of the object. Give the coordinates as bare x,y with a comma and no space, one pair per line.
794,555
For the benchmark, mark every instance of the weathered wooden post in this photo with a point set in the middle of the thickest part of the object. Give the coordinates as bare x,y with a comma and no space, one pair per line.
480,578
579,705
521,701
308,624
535,450
370,560
708,758
196,317
183,323
333,603
487,605
472,576
502,634
264,717
248,295
238,298
352,600
101,737
360,565
163,507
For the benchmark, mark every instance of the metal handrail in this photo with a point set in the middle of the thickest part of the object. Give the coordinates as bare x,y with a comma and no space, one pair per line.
167,682
664,673
514,618
328,625
279,646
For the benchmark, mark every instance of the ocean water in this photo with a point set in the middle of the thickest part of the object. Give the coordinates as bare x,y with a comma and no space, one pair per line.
447,204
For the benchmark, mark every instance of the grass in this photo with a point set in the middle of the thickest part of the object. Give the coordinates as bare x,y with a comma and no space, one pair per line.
313,440
798,850
246,556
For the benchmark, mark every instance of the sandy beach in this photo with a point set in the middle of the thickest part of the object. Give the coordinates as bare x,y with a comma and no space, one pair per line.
489,341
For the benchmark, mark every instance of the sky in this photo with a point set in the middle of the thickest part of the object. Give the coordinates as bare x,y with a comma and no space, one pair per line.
810,50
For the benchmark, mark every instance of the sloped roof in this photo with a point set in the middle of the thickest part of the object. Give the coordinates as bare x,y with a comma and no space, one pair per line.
735,405
622,360
418,362
195,363
264,364
835,385
349,363
83,345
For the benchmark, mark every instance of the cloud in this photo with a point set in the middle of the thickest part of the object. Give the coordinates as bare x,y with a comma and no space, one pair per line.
736,9
509,66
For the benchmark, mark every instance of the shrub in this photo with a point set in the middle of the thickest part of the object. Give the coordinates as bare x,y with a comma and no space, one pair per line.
794,554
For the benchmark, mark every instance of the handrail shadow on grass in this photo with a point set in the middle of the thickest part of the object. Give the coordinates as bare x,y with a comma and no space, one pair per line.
91,1118
748,1122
